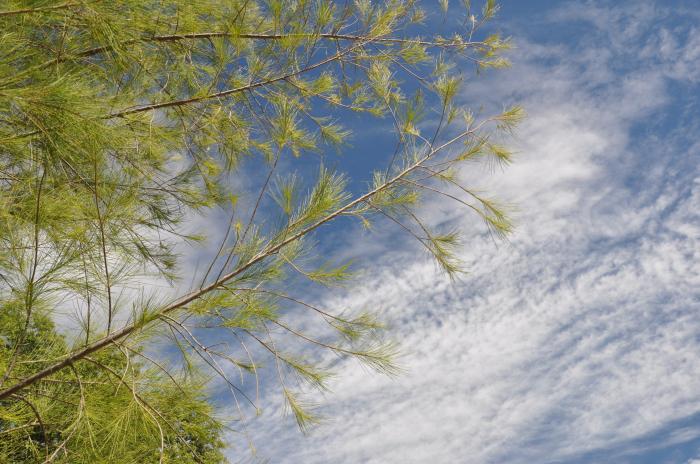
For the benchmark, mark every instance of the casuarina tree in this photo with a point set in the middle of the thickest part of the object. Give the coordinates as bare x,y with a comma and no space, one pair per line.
125,125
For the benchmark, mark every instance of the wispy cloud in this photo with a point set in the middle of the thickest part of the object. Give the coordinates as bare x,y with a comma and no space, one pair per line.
581,333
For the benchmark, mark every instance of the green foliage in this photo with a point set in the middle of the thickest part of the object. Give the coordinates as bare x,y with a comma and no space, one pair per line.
123,123
113,408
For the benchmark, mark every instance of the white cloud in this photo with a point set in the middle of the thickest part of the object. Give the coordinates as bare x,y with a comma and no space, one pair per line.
579,335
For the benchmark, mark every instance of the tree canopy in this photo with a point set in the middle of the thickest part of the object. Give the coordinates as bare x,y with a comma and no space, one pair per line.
123,124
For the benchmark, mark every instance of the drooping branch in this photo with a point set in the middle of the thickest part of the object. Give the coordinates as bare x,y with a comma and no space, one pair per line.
39,421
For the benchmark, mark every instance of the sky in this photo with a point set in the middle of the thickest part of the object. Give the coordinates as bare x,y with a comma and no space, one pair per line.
578,339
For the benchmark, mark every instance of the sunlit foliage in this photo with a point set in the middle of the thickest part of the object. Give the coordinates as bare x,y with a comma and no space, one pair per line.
121,121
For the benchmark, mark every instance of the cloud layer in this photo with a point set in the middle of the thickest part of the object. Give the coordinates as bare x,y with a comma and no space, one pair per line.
579,337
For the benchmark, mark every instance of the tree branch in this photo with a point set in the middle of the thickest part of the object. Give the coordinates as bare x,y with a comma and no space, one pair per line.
225,93
262,255
39,9
215,34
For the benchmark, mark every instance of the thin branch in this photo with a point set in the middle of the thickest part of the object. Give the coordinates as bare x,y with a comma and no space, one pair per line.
323,313
199,349
103,245
188,101
74,426
241,239
39,420
225,93
333,348
29,297
218,34
150,410
262,255
152,361
39,9
19,427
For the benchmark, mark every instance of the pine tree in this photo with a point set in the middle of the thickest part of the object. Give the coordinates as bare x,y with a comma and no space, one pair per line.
122,121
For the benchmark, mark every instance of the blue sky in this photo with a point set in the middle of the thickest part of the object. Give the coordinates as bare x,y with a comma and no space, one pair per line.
578,341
